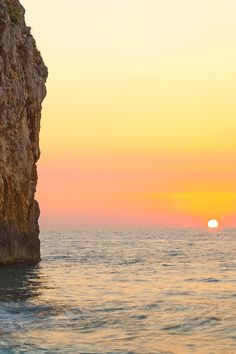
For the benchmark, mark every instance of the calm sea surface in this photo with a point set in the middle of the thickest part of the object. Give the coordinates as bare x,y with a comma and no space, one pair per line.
123,291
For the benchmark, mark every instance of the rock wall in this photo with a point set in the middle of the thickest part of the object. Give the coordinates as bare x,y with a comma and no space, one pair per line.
22,90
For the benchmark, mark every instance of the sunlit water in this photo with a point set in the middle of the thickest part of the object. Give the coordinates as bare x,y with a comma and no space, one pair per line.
139,291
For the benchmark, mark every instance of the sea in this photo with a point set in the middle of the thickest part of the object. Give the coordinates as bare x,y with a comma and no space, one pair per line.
123,291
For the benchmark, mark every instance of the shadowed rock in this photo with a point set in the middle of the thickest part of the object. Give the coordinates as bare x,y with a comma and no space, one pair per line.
22,90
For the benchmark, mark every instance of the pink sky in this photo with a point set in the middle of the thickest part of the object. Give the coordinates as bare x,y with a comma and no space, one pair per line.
136,189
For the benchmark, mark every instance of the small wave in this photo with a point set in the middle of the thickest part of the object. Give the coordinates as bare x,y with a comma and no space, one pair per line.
206,280
191,324
139,317
167,265
211,280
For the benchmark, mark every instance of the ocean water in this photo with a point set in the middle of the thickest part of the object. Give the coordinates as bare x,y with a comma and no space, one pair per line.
123,291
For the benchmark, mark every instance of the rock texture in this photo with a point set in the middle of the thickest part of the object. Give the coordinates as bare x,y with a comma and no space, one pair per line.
22,90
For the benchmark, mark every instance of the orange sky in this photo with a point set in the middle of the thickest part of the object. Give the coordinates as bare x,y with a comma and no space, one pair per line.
138,128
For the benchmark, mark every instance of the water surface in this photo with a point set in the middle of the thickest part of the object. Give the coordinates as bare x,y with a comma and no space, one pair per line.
123,291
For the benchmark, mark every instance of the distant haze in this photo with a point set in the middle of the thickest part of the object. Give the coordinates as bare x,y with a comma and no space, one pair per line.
139,125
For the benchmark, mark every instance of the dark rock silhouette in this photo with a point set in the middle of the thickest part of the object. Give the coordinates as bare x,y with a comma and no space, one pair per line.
22,90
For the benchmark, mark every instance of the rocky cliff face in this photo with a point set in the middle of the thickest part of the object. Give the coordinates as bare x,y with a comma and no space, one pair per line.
22,90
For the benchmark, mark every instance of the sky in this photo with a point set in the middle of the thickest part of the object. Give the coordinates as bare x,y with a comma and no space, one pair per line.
138,128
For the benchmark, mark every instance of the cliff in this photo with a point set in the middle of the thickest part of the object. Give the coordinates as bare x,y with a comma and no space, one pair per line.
22,90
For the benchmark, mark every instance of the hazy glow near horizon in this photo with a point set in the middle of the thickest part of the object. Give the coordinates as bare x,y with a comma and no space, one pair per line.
139,124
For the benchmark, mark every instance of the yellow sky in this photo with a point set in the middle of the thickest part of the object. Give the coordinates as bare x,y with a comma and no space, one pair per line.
140,76
128,74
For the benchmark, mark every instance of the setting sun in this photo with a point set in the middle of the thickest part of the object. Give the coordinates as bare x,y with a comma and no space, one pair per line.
213,224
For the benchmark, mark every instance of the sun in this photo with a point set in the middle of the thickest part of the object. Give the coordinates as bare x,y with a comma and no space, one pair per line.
213,224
